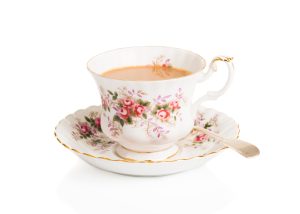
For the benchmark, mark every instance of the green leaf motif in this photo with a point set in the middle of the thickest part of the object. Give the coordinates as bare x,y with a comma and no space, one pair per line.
97,141
207,125
145,116
129,120
87,119
116,118
146,103
157,107
121,122
114,97
110,92
165,106
139,101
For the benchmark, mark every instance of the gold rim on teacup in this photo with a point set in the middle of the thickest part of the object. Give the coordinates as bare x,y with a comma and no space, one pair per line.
165,106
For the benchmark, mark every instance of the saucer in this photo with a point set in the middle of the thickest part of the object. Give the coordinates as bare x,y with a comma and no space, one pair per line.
81,133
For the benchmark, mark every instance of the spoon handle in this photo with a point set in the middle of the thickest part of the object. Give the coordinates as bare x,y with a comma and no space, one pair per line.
244,148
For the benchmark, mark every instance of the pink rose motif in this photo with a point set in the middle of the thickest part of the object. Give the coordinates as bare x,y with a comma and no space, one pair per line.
166,64
84,128
123,113
200,138
128,102
174,105
139,110
97,122
163,114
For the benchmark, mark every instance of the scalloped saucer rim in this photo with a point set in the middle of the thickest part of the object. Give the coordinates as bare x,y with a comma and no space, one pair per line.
99,151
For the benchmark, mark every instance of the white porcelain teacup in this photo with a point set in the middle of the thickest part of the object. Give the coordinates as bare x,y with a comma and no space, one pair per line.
163,109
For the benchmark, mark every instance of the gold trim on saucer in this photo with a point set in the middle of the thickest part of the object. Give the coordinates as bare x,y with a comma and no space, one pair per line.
135,161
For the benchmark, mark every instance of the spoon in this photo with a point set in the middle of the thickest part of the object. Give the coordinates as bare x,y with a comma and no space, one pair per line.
244,148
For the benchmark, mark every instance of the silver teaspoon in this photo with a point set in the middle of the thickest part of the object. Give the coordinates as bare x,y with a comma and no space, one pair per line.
242,147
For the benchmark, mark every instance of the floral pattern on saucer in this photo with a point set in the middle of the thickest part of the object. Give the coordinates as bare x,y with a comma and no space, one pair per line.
88,131
207,123
81,133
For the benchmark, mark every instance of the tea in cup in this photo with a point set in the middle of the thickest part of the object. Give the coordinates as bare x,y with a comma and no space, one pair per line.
147,95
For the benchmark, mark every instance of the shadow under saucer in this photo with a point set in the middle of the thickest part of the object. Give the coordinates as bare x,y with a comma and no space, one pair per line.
89,190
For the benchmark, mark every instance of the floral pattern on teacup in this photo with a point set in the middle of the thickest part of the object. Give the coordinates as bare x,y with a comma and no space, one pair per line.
88,130
162,65
131,108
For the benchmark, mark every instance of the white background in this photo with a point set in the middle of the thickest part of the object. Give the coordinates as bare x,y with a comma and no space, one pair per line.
44,47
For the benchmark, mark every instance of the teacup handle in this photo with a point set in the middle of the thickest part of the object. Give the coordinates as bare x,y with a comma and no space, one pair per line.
212,95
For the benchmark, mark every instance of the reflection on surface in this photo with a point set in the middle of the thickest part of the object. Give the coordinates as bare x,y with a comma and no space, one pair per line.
89,190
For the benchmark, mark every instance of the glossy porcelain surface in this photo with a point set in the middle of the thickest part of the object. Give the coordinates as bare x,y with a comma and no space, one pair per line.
81,133
149,116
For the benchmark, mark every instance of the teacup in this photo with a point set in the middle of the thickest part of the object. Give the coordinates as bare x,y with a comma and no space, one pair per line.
166,111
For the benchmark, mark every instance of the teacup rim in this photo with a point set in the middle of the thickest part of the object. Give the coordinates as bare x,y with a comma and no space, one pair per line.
148,81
